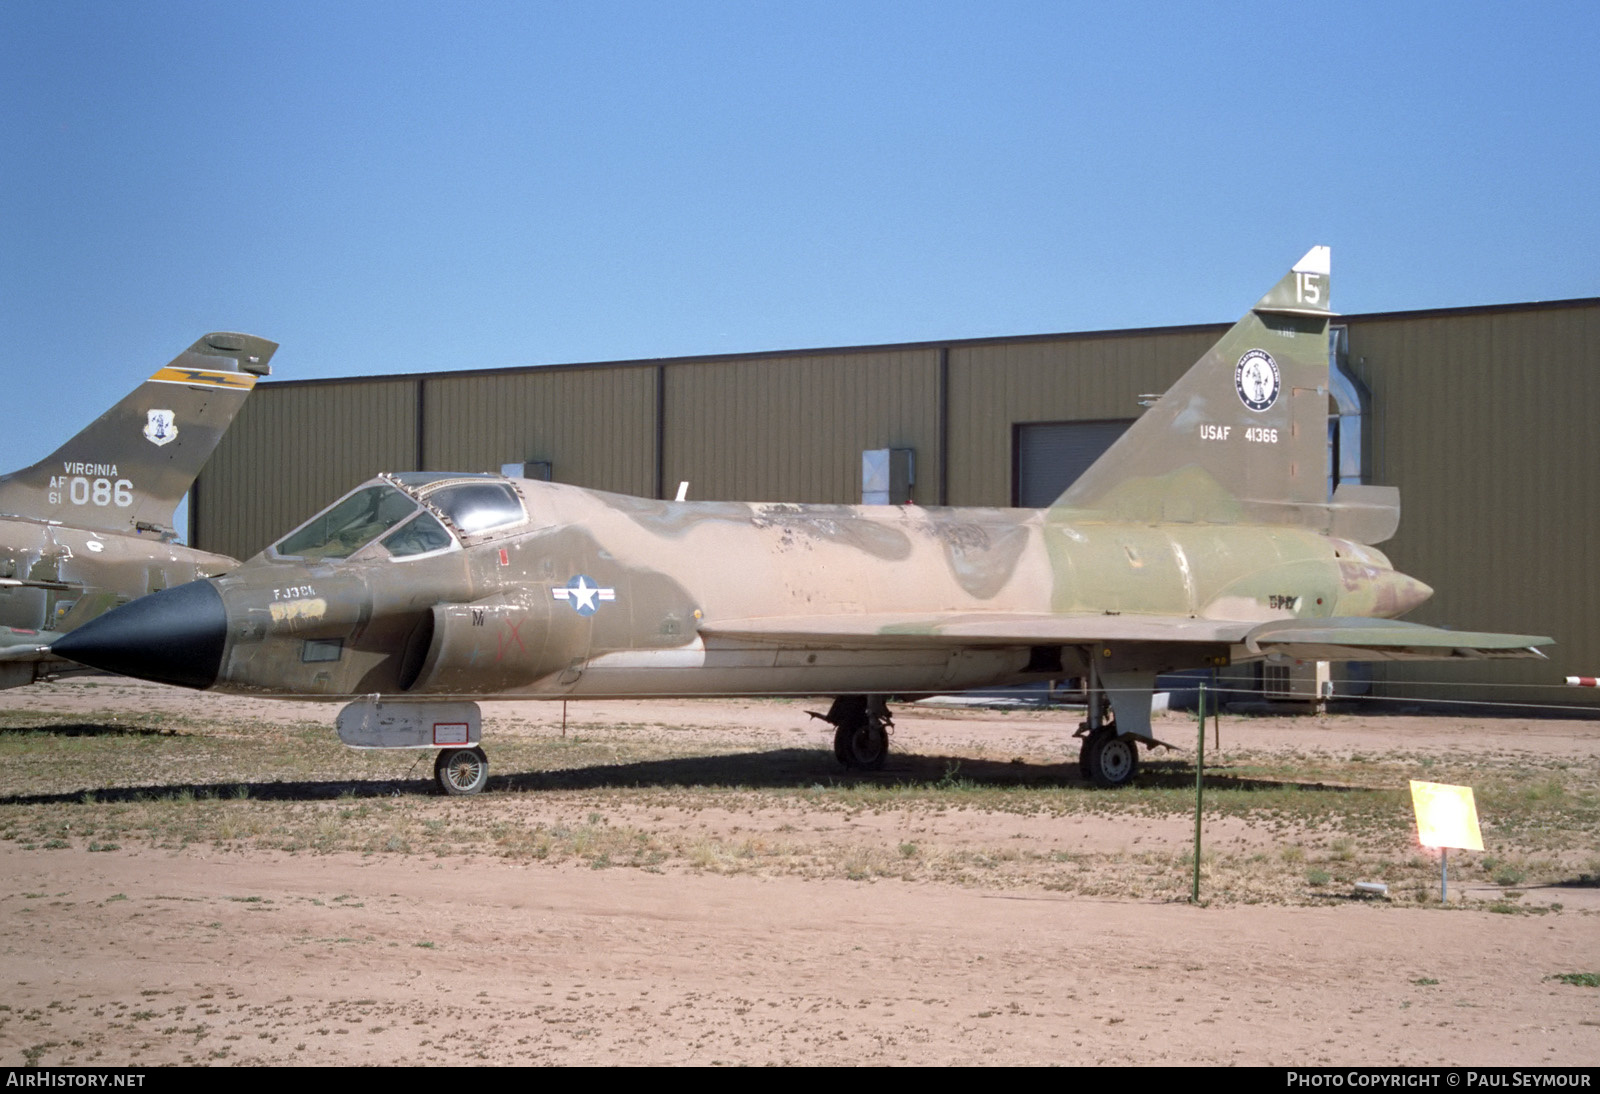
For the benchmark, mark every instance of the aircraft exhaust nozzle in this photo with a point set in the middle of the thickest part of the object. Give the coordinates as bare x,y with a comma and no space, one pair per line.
175,636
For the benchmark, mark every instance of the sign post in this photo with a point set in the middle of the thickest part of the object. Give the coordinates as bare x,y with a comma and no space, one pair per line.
1447,817
1199,793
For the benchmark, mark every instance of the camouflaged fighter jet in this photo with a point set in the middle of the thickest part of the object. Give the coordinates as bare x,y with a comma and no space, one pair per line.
90,527
1204,536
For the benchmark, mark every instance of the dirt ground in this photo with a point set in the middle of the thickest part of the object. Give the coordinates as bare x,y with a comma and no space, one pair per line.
975,904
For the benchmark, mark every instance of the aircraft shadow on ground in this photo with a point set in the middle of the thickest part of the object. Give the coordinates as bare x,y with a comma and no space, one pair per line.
92,729
780,769
796,768
1582,881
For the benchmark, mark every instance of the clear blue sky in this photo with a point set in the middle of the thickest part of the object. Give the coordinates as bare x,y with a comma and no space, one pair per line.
387,187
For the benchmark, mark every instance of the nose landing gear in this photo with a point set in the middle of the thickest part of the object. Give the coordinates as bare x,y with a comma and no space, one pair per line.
461,770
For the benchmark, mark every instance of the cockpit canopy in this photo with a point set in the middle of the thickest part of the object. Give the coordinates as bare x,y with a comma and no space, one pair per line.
410,513
471,503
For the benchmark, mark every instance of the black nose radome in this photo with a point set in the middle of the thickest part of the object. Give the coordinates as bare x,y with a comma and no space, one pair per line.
173,637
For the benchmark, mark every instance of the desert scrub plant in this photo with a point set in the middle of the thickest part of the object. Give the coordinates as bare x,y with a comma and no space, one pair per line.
1508,875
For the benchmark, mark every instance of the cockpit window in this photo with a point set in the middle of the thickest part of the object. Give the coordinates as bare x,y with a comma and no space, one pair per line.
345,527
417,537
478,506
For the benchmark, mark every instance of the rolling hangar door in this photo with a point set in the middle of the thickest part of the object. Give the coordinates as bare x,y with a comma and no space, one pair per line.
1048,457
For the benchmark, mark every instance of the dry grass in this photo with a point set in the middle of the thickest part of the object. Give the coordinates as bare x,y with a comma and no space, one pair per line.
1299,826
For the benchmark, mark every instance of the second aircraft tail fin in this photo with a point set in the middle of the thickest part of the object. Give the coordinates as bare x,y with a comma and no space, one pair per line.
131,467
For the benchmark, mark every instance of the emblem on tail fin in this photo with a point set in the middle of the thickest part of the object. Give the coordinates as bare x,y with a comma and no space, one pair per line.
1257,380
160,427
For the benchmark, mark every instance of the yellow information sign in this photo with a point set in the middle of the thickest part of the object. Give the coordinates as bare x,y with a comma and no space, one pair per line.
1446,816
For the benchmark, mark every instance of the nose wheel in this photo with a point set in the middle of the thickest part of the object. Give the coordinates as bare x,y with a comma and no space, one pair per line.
461,771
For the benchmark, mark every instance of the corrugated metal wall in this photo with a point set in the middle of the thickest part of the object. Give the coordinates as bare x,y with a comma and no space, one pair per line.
595,426
793,428
1487,423
1483,417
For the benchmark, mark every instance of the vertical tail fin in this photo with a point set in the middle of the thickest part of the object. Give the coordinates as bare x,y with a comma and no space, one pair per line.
1243,435
128,470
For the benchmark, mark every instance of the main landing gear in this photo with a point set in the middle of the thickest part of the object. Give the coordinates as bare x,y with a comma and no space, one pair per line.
861,730
1109,756
1106,759
461,770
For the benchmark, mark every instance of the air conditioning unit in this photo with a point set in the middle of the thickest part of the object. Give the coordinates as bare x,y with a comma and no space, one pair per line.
1297,681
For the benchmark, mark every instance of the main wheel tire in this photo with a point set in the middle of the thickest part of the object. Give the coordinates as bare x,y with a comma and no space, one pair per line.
863,745
461,770
1112,760
841,745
